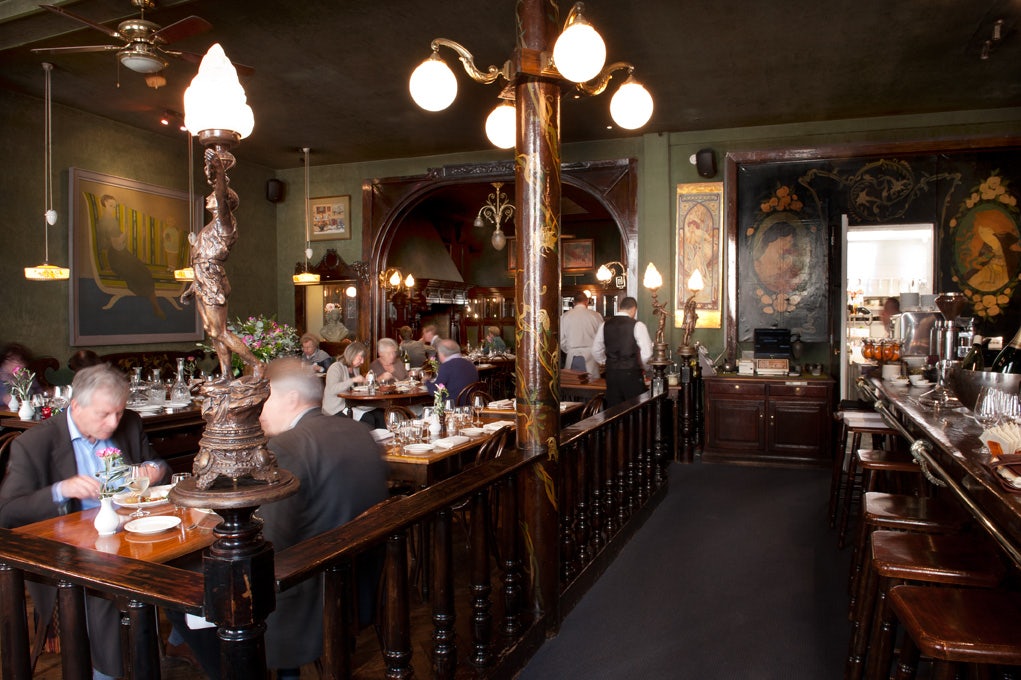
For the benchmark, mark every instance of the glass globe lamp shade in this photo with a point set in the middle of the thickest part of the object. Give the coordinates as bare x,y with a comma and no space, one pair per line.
603,274
215,99
500,126
631,106
652,279
351,292
433,85
579,53
499,239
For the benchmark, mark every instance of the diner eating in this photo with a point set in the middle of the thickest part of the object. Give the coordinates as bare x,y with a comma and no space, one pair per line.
410,405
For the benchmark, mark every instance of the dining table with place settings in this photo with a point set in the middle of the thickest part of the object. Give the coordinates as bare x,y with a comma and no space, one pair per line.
570,411
401,394
428,460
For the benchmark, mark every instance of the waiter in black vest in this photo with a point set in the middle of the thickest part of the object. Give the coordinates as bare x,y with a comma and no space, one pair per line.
623,344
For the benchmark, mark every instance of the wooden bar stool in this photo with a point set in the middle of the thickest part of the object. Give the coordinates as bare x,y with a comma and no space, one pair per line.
955,626
854,424
871,462
897,557
898,512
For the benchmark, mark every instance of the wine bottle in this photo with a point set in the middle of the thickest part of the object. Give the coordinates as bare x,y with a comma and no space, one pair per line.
1009,358
973,360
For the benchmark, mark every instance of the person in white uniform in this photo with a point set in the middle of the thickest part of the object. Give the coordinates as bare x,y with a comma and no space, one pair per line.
577,331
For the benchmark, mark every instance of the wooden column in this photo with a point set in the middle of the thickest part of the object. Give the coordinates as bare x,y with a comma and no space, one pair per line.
537,289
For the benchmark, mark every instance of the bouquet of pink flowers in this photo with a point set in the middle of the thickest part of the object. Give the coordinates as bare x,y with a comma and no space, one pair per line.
111,476
440,399
21,383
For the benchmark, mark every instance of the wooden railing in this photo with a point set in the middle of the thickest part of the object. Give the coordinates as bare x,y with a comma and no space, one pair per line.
609,479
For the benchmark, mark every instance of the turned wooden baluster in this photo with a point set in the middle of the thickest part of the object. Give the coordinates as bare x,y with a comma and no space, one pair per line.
623,458
444,645
594,463
568,461
143,643
610,481
338,619
15,659
582,526
481,588
75,657
640,443
510,559
396,636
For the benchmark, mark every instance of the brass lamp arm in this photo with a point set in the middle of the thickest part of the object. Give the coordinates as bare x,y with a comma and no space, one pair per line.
598,84
468,61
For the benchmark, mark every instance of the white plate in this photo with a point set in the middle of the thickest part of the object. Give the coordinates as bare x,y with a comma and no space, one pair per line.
472,431
157,495
360,388
152,525
146,409
418,448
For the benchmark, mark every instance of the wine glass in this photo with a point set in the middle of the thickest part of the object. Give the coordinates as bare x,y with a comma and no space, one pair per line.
138,483
987,407
478,404
393,423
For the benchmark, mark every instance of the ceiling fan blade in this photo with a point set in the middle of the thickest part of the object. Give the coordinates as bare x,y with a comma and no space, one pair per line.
78,48
88,22
185,28
194,58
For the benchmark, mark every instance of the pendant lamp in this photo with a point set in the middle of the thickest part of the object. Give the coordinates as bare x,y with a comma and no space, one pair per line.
306,277
47,271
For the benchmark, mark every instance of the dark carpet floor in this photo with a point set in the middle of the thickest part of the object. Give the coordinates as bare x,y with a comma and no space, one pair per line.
735,576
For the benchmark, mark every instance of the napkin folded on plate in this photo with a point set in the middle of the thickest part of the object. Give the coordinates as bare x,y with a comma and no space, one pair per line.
1005,437
501,404
381,435
450,442
496,425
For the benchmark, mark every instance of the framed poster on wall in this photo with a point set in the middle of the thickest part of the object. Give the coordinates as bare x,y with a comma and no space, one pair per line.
126,240
700,229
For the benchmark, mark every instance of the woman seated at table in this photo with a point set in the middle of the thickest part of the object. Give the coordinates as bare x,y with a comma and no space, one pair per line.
342,376
311,354
494,343
387,367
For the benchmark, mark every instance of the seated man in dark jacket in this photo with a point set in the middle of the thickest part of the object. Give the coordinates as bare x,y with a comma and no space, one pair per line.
455,372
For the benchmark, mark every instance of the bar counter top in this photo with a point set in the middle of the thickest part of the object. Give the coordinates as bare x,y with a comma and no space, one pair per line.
956,458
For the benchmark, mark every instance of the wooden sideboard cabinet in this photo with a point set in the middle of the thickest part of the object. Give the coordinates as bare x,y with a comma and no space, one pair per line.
768,420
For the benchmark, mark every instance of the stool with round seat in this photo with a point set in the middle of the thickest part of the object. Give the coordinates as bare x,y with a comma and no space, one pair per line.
955,626
871,462
853,425
899,512
897,557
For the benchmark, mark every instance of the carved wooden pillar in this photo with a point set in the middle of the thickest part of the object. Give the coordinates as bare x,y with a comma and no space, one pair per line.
537,294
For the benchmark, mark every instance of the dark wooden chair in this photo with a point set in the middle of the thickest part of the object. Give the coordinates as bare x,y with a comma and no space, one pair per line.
39,366
469,391
594,405
404,412
6,439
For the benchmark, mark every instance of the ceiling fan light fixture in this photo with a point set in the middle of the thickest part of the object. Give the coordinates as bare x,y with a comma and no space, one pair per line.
141,60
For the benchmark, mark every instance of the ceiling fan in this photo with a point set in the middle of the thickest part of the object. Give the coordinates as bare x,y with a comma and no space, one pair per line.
143,48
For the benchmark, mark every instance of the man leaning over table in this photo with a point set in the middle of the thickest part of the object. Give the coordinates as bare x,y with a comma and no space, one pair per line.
52,472
342,474
455,372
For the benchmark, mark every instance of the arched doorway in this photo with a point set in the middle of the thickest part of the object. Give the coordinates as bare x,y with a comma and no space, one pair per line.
391,205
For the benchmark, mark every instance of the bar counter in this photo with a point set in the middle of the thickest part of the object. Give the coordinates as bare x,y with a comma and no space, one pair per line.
947,445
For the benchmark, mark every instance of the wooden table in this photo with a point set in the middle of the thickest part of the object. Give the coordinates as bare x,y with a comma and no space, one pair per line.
193,535
570,412
428,468
417,395
174,435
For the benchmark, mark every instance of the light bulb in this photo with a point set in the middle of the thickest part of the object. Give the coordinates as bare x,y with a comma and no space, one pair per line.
579,53
500,126
351,292
409,282
433,85
631,106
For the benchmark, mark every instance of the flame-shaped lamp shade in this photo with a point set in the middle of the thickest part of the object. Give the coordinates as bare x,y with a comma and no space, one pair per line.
215,99
695,282
652,279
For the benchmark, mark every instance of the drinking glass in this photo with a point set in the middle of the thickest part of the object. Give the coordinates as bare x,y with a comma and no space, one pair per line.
989,407
478,404
138,483
393,424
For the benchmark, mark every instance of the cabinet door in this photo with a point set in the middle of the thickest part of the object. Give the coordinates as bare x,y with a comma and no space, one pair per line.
798,427
735,424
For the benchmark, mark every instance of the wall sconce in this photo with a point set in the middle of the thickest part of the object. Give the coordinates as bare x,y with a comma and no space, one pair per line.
393,283
47,271
612,272
695,284
579,54
496,210
351,292
305,277
654,281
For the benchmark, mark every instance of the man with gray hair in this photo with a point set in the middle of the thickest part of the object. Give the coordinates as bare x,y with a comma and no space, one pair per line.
455,372
53,472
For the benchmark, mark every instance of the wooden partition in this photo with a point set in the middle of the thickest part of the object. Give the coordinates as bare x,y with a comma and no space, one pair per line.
611,478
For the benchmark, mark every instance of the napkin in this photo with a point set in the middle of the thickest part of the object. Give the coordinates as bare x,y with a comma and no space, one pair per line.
1002,439
449,442
496,425
501,404
381,435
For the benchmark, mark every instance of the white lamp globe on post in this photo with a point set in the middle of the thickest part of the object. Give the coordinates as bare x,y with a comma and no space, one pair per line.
500,126
433,85
579,53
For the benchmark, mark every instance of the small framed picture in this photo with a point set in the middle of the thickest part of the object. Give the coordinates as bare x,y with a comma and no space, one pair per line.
330,216
578,255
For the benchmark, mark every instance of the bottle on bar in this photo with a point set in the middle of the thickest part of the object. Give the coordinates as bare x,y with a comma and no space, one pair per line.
973,360
1009,358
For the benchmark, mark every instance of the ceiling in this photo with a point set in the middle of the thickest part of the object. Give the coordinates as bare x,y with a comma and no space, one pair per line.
332,74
